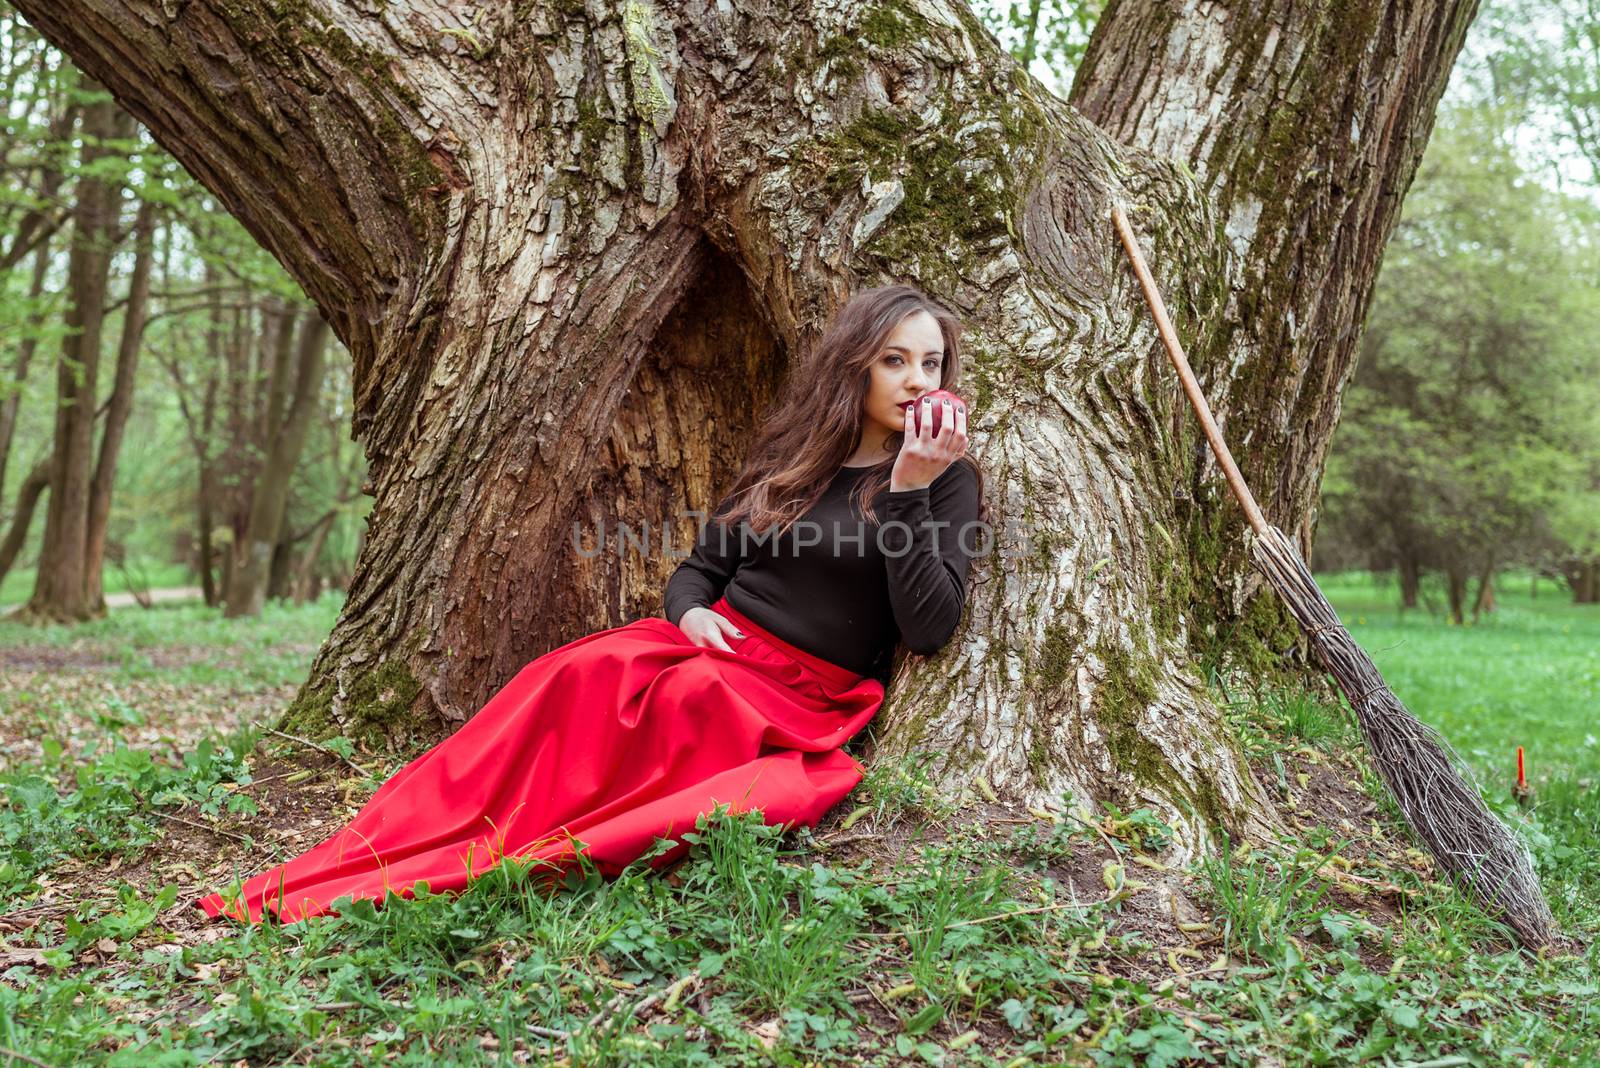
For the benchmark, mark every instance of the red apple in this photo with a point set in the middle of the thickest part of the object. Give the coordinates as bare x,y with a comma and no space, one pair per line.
938,409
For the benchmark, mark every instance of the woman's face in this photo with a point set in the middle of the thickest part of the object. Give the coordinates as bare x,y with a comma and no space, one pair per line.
908,366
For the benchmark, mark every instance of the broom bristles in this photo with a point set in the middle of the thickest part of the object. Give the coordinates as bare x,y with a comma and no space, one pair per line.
1428,780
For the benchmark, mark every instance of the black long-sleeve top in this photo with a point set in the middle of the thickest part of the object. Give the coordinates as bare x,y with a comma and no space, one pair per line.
842,588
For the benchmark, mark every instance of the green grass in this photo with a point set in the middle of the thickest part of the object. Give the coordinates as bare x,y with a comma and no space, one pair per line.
1527,674
761,949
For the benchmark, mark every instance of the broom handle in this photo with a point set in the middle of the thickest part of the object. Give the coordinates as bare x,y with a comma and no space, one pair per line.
1175,352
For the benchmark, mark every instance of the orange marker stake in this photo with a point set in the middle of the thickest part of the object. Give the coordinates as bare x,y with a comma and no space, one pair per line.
1523,795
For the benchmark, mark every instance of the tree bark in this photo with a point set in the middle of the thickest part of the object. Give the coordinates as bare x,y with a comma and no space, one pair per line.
121,402
570,250
270,494
61,589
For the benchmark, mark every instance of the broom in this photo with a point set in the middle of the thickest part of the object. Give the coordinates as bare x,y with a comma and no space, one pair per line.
1427,779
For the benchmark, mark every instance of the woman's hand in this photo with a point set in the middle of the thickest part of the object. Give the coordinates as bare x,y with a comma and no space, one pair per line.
924,457
706,628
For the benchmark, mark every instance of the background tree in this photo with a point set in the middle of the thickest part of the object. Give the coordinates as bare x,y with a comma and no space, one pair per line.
42,112
63,586
1545,58
1469,440
293,386
140,519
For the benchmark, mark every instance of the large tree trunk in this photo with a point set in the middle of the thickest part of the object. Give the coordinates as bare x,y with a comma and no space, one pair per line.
61,589
572,249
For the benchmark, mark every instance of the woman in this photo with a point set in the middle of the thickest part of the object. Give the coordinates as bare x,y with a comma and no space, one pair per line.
775,649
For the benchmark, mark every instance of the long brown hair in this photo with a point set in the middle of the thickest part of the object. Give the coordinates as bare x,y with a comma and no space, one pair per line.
815,424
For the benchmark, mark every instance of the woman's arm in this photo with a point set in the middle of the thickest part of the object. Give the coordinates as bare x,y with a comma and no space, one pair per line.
928,567
706,571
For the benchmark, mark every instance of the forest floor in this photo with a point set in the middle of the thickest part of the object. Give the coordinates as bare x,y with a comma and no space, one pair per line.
906,928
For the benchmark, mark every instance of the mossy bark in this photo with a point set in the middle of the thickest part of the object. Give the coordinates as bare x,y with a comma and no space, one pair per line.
573,247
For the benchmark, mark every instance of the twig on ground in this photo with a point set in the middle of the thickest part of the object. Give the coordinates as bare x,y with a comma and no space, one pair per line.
671,991
1208,1017
844,839
1116,854
308,742
4,1052
204,827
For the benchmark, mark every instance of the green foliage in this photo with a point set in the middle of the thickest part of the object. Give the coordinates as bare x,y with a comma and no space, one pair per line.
103,806
1048,37
1469,434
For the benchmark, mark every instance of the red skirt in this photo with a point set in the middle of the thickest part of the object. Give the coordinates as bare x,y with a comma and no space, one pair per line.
599,747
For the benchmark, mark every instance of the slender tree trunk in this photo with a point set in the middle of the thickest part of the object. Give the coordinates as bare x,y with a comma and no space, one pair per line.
1030,40
36,483
121,402
697,188
205,500
278,320
1410,580
19,368
305,584
205,450
1484,601
61,589
237,464
278,572
1456,580
270,495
